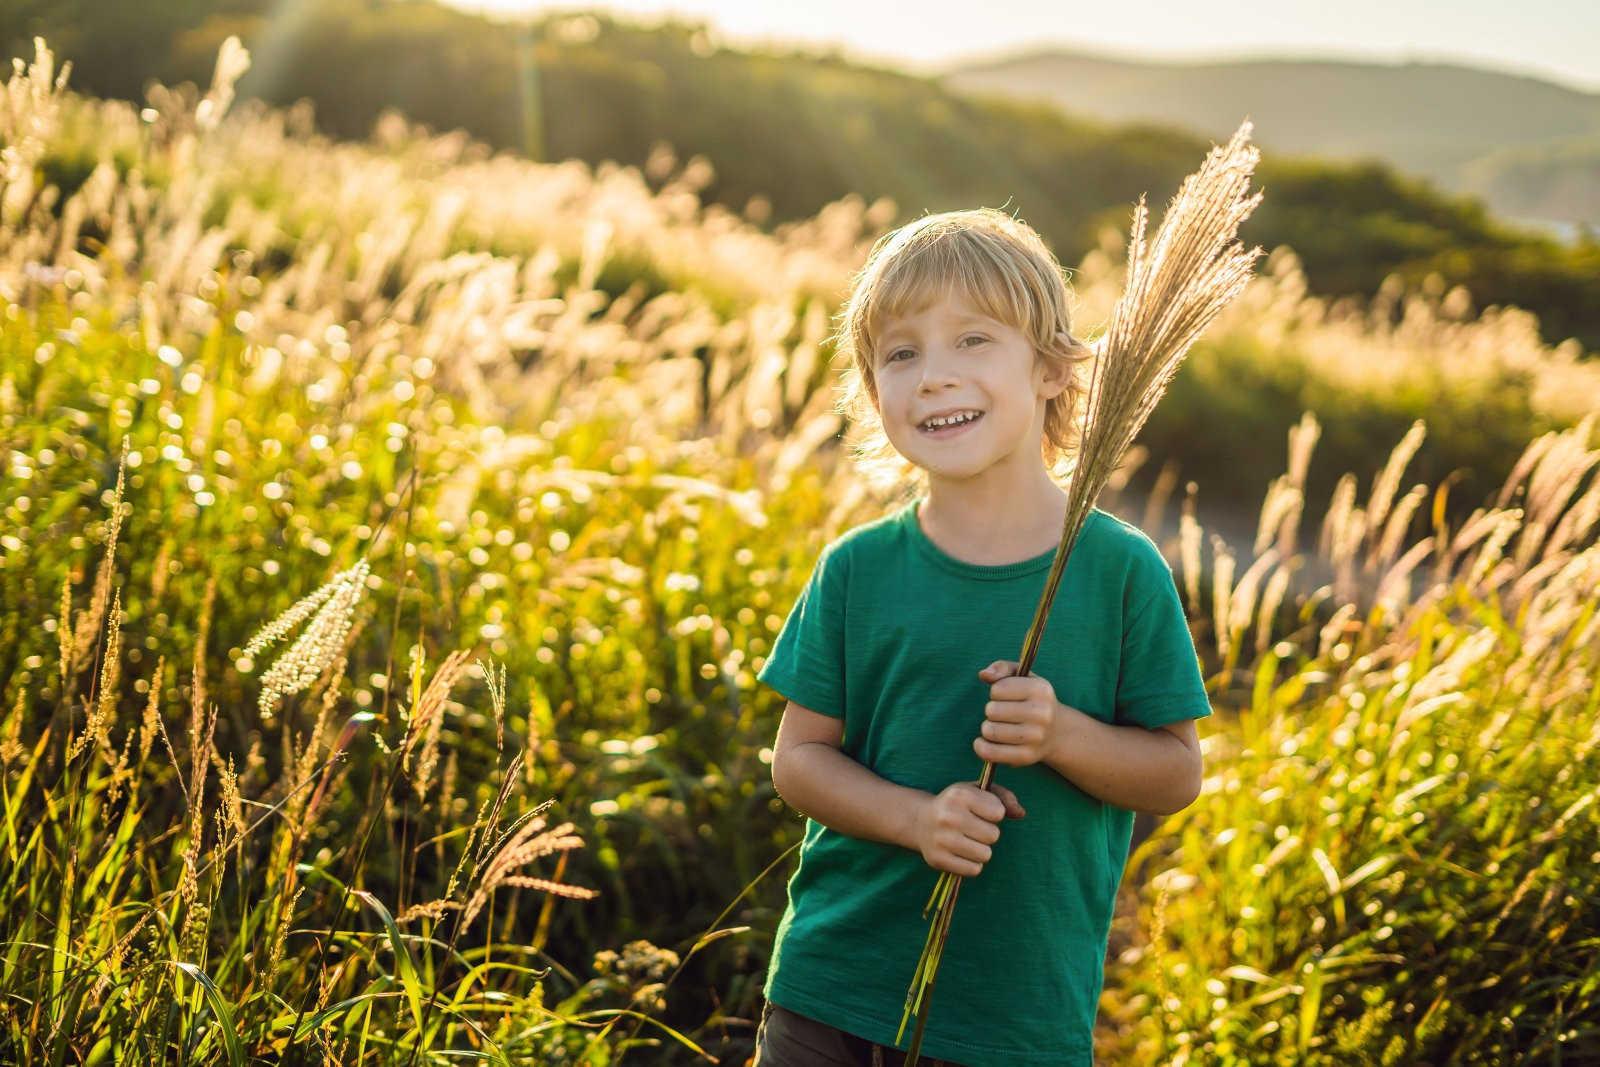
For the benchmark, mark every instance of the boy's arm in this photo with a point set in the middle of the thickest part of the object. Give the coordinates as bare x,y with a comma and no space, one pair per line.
819,781
1151,770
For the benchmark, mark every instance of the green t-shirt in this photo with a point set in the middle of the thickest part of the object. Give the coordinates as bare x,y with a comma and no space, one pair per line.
889,634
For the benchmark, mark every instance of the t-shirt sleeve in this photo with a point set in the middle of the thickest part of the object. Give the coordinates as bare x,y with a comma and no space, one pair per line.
806,664
1159,679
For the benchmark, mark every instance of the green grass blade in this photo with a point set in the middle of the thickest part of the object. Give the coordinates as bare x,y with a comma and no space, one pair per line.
332,1011
402,956
219,1008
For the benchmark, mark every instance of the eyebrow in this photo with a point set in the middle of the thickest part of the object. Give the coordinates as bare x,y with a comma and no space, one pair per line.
969,318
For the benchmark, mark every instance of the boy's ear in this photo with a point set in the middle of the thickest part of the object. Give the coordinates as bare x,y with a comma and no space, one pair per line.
1056,375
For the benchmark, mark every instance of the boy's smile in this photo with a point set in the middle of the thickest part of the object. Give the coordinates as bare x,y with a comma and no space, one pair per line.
948,424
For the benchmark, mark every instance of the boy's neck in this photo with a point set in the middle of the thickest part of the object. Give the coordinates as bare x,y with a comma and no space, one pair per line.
992,524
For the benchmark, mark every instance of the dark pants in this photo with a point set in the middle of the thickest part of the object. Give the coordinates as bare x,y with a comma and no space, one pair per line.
785,1039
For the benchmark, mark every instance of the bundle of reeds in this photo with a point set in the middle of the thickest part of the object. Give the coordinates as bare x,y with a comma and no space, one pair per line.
1175,288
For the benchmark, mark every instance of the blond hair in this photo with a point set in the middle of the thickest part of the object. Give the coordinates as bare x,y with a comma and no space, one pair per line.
1002,266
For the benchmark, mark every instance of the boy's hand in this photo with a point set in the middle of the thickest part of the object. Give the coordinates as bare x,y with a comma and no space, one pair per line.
955,829
1023,721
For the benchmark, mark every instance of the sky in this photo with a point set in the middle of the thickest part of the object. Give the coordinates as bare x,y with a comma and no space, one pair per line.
1558,40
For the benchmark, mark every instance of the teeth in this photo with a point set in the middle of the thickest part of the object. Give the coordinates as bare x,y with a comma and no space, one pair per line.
951,420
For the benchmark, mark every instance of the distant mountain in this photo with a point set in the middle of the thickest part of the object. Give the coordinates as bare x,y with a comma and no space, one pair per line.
1529,147
788,131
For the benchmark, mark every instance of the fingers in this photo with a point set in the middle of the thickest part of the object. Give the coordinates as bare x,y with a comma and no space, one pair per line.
981,830
1009,733
969,842
995,803
982,803
968,826
957,865
968,839
970,831
968,849
1010,755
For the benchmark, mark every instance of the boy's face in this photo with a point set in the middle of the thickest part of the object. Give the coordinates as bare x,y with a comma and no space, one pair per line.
950,357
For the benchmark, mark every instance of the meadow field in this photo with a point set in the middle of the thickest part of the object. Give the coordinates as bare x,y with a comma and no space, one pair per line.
390,533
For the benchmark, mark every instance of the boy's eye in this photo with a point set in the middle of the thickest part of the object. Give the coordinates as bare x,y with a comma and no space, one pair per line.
890,358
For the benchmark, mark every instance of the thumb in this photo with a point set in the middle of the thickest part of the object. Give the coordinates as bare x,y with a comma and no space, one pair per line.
1000,668
1014,808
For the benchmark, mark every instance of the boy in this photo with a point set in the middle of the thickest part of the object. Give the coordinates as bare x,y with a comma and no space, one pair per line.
964,380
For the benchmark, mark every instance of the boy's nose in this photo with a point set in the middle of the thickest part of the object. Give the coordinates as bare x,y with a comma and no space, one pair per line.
939,363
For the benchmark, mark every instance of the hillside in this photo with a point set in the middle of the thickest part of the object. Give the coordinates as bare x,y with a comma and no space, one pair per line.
1505,137
787,132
